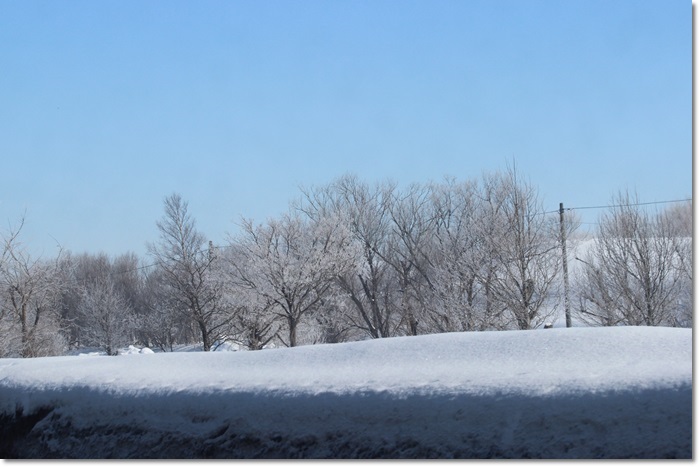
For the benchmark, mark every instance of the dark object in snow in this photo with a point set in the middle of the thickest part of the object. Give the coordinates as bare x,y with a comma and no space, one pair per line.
15,428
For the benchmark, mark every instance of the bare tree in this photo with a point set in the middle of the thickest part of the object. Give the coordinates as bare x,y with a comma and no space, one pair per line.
292,265
598,299
456,261
258,326
491,228
29,292
679,220
331,323
527,252
632,274
127,279
86,271
679,217
160,323
410,253
187,268
369,286
108,320
255,325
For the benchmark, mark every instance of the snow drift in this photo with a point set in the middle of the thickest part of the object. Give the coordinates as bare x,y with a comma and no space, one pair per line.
556,393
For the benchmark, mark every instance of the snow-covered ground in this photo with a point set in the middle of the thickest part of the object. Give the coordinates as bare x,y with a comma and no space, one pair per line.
557,393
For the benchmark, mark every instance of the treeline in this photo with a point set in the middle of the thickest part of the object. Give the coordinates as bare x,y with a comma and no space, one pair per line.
352,261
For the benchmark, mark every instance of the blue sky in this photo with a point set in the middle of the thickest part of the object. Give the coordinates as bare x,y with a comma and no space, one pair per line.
106,107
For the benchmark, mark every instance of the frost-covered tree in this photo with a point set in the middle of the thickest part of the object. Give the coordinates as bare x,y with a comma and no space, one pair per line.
444,257
292,264
108,321
491,228
29,291
410,255
258,327
633,274
679,219
369,288
78,272
526,249
331,324
161,324
456,259
255,326
189,271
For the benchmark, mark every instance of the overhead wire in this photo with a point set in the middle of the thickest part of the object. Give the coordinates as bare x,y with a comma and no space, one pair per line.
608,206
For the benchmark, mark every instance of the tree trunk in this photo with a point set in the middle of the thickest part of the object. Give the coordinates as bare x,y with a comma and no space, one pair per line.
292,331
206,343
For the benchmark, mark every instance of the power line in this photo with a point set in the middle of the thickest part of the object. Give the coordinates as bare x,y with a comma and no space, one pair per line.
608,206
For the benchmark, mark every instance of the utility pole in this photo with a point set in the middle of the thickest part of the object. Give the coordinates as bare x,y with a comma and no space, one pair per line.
211,251
567,311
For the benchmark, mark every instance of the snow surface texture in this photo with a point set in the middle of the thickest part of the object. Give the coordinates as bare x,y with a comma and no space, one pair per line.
621,392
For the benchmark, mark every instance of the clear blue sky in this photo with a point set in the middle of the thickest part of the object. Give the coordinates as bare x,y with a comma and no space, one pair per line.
108,106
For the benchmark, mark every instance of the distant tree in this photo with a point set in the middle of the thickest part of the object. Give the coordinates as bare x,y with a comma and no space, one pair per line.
188,270
161,324
258,327
127,278
679,218
456,259
68,299
292,265
368,288
597,297
29,291
491,227
527,252
85,271
410,255
331,326
107,320
632,274
255,325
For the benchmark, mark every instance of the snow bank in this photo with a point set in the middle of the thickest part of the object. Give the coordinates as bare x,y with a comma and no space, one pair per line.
556,393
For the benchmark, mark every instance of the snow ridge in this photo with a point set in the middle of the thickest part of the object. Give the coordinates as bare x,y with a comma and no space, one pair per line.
557,393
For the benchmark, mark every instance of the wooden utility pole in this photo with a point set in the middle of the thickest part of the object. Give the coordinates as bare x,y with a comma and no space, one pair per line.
567,311
211,251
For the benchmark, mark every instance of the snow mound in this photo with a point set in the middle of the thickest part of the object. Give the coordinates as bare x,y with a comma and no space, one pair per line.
555,393
133,350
